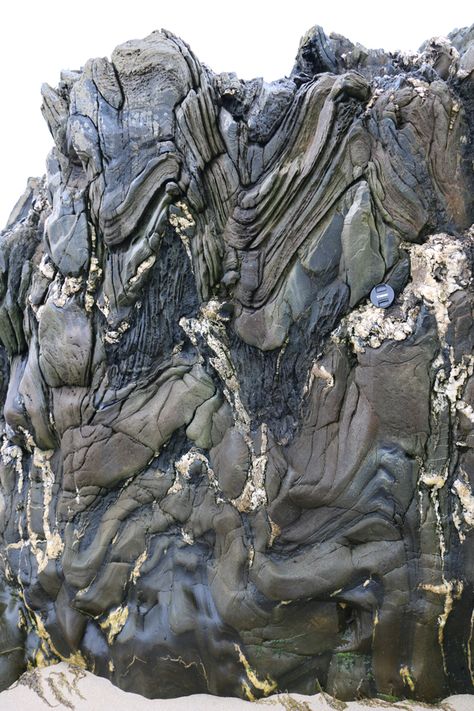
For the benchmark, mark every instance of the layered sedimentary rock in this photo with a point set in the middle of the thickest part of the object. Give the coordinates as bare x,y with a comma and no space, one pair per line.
223,468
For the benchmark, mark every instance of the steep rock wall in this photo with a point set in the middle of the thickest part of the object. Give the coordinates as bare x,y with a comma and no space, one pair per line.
223,468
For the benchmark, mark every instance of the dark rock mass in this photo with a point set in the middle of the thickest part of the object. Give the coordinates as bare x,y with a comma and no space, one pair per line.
223,468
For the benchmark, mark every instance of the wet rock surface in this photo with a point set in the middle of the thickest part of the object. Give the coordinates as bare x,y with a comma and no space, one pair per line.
223,469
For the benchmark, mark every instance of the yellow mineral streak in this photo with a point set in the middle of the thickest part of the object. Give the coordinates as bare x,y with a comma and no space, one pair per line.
434,480
267,685
281,353
374,625
183,663
275,531
250,555
452,590
248,692
48,654
406,677
181,223
114,622
458,522
142,268
54,543
135,574
446,256
453,115
52,546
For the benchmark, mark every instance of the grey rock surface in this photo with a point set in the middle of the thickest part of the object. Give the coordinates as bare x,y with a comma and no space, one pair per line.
223,469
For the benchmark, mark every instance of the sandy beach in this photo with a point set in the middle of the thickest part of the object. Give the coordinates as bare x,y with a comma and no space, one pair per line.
65,687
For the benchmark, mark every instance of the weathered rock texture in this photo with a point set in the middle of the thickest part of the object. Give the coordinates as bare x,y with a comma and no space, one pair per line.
224,470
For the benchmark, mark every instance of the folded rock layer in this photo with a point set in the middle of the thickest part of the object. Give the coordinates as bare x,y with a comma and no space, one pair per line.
223,468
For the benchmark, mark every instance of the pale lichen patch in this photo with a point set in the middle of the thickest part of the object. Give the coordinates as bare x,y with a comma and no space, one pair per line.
115,335
72,285
46,268
254,495
104,306
187,537
368,327
182,468
183,223
466,409
12,455
211,328
93,279
466,498
439,267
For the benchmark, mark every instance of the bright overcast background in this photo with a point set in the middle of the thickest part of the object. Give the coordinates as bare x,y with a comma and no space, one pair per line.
251,37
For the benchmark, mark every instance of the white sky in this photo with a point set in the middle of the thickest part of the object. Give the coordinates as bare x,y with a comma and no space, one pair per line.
250,37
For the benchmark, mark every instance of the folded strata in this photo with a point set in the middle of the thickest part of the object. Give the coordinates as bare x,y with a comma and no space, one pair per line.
223,468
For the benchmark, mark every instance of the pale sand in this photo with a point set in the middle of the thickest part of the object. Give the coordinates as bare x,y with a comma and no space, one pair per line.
83,691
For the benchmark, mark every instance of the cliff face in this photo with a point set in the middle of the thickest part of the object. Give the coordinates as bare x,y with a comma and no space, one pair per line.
224,469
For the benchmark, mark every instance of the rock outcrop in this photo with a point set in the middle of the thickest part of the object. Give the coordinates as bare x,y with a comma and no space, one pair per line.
224,469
